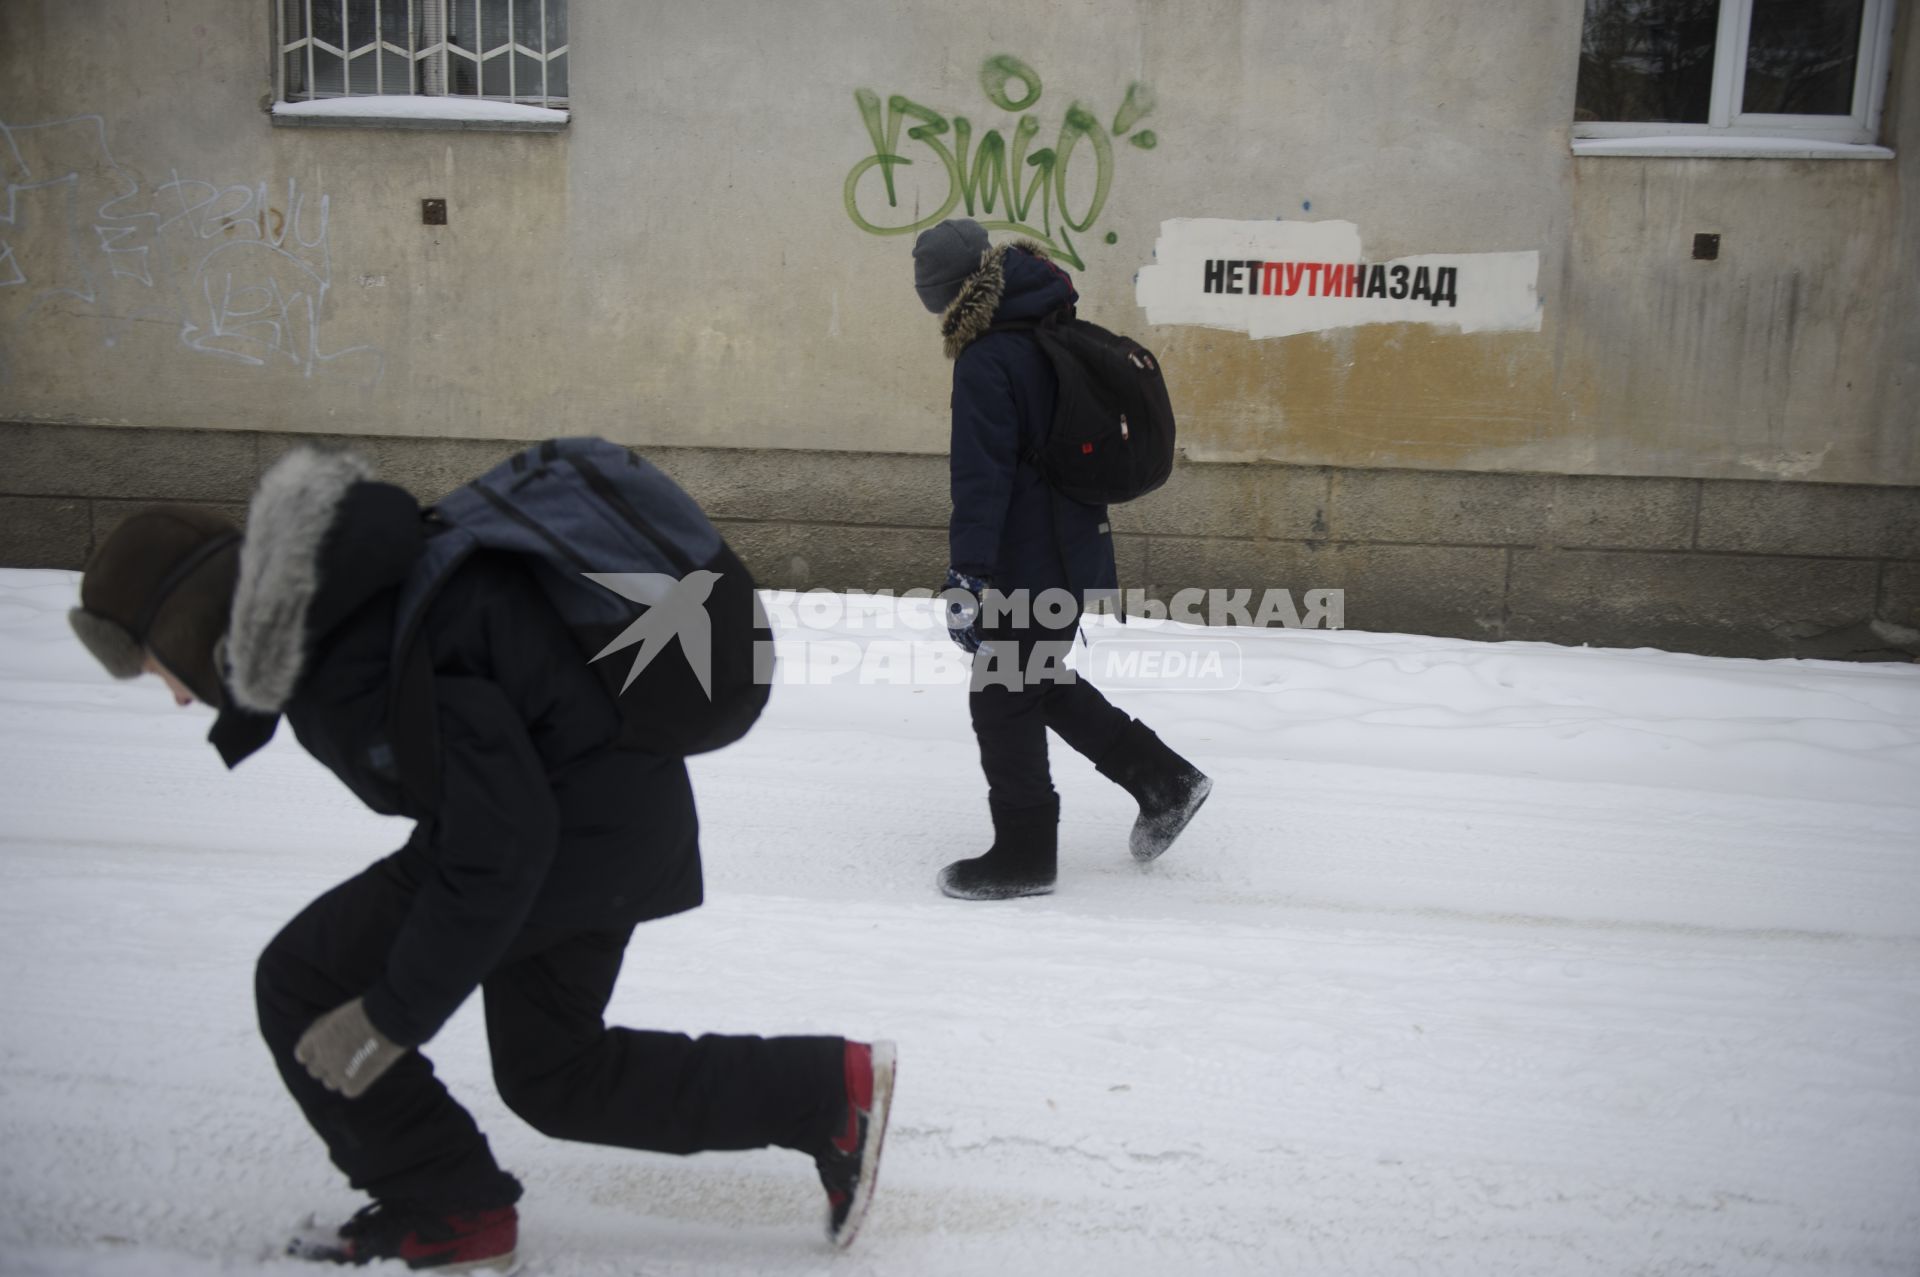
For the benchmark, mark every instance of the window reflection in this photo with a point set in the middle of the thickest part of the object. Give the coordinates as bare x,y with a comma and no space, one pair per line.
1802,57
1647,60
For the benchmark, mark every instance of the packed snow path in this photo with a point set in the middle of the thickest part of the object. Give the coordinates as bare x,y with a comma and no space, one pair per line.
1482,959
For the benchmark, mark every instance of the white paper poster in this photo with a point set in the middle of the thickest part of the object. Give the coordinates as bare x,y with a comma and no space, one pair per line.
1274,279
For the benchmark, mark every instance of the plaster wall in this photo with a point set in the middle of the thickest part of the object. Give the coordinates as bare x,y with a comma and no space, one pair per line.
686,264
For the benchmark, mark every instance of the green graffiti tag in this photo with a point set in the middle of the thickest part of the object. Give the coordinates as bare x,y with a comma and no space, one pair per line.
1138,104
987,177
998,72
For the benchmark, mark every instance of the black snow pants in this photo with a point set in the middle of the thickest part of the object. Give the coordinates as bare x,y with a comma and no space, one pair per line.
555,1062
1019,690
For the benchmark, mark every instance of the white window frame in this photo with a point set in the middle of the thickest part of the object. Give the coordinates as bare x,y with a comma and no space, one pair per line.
429,52
1731,131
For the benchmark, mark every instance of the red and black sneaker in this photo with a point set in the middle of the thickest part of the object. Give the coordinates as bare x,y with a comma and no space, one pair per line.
851,1161
448,1241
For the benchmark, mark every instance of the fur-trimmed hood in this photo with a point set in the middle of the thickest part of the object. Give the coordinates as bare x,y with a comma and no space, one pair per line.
1004,287
322,538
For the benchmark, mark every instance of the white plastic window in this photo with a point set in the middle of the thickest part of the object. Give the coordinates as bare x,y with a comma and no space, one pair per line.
1808,71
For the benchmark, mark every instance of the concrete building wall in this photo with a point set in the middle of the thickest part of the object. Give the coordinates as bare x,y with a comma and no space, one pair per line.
1727,567
688,266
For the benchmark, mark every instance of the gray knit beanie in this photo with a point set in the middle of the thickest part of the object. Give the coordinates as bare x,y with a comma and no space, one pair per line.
943,257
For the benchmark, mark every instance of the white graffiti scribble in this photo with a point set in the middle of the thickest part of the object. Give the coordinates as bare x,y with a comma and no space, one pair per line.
243,270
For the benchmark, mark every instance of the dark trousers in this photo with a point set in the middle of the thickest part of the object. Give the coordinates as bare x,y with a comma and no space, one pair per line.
555,1062
1021,689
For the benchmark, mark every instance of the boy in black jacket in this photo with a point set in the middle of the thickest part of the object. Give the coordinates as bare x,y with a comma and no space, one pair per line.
1010,535
547,845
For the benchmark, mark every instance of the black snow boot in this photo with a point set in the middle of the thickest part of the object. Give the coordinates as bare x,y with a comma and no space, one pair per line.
1023,860
1168,788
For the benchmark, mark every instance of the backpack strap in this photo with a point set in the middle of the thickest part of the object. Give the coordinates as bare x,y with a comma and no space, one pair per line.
413,715
1031,454
413,725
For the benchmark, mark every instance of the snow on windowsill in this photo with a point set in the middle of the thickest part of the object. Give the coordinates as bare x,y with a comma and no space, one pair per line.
397,111
1700,146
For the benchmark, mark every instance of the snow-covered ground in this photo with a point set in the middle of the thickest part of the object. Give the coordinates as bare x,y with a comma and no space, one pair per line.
1483,959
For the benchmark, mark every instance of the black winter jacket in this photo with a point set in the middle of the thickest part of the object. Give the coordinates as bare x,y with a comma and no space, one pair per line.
541,823
1007,524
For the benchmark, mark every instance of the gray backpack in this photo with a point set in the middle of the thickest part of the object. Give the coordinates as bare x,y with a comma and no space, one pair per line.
657,602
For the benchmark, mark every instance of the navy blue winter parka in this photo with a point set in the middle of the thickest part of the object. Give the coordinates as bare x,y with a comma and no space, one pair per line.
1007,524
543,824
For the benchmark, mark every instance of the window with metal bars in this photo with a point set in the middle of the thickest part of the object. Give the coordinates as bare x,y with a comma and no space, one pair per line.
502,50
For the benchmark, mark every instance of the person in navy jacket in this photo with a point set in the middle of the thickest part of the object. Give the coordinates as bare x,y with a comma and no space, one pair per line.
548,844
1011,540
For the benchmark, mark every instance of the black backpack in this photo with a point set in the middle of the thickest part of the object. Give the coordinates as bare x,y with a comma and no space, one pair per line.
1112,434
612,541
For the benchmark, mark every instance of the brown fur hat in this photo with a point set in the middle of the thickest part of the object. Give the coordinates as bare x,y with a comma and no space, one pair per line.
163,583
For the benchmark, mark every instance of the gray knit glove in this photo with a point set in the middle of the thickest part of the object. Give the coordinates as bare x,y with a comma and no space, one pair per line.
344,1052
